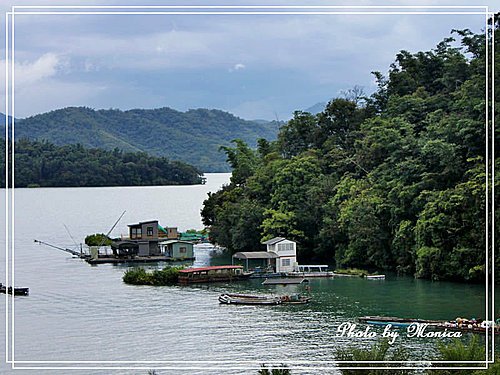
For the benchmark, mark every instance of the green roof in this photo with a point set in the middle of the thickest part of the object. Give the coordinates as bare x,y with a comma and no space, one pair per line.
162,229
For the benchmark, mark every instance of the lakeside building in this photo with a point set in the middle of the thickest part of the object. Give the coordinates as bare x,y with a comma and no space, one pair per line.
280,255
144,238
177,249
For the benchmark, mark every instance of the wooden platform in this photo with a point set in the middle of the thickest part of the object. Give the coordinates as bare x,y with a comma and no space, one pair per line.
293,280
150,259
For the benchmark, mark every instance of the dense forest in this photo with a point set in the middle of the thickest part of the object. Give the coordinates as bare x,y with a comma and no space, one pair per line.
393,181
193,137
44,164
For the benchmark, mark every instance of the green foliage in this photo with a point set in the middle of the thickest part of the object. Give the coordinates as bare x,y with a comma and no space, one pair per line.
44,164
381,351
139,276
458,351
352,271
193,137
98,239
395,181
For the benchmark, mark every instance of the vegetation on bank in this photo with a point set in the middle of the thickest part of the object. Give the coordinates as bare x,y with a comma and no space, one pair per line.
139,276
393,181
455,351
193,137
381,350
352,271
48,165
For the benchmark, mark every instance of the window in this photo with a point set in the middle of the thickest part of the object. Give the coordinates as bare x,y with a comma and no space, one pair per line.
285,247
183,250
285,262
133,232
139,233
149,231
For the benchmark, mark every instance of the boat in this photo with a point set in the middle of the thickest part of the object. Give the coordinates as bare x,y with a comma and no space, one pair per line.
17,291
375,277
311,271
454,325
384,320
284,281
244,299
212,274
235,299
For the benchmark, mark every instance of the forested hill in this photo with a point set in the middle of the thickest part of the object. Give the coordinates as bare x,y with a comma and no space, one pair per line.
193,137
395,181
44,164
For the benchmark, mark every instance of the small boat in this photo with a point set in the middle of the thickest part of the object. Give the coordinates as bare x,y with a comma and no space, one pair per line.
284,281
311,271
454,325
295,299
375,277
384,320
15,291
244,299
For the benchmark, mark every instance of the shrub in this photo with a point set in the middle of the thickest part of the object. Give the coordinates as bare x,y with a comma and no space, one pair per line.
458,351
139,276
98,239
378,352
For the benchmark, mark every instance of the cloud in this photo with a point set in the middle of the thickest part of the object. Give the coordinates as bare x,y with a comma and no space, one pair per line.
237,67
306,54
28,73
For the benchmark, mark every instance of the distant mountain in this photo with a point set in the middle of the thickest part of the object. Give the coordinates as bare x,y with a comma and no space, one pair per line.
317,108
2,119
193,137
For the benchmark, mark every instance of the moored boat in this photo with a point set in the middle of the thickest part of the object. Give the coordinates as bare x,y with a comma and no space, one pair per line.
212,274
375,277
458,324
15,291
244,299
241,299
311,271
284,281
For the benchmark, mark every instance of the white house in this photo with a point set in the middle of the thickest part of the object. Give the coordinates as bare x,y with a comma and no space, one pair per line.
286,250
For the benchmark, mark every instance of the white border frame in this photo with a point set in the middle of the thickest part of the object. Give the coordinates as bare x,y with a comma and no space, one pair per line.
230,10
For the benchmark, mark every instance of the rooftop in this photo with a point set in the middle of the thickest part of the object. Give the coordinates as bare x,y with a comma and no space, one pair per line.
255,255
143,222
168,242
273,241
211,268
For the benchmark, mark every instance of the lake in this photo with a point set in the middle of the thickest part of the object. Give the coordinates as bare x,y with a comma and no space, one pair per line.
77,312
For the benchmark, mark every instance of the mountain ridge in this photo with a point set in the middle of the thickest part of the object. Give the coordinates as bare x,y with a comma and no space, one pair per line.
194,136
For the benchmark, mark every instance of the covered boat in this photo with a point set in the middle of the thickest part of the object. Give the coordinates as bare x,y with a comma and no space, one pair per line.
212,274
244,299
311,271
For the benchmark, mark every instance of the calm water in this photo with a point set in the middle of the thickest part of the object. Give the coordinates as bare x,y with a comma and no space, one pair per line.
76,312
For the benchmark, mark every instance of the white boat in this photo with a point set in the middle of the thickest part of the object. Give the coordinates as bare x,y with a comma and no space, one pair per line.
376,277
311,271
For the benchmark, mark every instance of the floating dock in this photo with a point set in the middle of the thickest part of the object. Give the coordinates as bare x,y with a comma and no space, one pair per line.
288,281
137,259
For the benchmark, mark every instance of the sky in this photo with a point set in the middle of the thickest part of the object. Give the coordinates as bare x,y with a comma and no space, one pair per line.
254,66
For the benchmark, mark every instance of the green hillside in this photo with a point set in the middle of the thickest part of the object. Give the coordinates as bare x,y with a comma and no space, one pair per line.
193,137
44,164
395,181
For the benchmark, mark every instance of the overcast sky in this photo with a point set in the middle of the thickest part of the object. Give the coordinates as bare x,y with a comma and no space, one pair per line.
255,66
